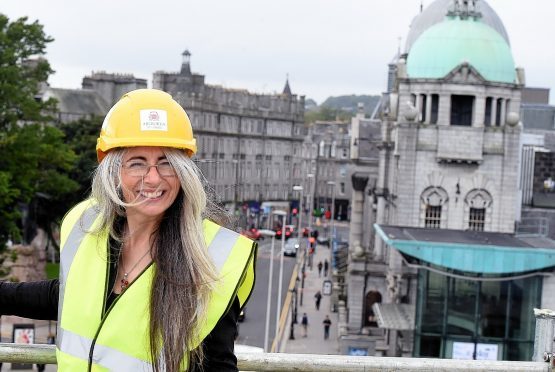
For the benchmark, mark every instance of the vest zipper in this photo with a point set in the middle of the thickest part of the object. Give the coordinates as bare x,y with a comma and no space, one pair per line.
106,312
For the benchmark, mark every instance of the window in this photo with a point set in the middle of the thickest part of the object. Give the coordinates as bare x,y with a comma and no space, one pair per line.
433,217
487,116
478,210
477,219
435,109
461,110
322,149
342,187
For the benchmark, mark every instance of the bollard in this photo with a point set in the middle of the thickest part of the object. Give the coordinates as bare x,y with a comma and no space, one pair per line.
543,341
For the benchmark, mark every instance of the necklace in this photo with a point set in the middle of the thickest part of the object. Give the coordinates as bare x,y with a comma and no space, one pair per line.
124,280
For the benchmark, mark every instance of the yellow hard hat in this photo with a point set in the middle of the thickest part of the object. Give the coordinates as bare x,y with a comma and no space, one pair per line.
146,117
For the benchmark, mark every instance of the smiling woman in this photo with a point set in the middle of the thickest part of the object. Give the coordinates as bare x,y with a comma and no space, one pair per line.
149,280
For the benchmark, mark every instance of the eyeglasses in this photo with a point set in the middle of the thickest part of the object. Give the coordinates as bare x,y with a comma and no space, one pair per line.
141,169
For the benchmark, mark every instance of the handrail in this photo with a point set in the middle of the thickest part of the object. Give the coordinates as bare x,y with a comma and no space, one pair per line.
279,362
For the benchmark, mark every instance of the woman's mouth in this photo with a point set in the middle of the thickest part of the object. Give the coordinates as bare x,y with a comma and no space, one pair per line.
151,195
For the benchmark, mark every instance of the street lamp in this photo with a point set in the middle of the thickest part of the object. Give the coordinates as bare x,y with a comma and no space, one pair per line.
283,215
332,184
300,188
293,309
309,176
270,279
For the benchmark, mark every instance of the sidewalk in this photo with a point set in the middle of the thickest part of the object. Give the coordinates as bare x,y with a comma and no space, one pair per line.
314,343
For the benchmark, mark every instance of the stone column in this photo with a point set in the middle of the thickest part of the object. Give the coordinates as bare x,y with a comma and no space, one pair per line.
357,206
503,111
493,111
428,109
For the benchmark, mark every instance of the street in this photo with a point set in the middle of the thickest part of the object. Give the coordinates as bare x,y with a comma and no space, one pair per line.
251,330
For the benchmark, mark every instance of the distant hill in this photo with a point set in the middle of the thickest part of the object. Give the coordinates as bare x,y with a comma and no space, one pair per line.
310,104
350,103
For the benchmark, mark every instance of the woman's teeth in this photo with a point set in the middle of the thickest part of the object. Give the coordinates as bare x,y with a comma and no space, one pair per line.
151,195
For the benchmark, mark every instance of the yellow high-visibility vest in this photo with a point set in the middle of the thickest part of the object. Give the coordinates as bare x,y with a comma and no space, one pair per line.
90,338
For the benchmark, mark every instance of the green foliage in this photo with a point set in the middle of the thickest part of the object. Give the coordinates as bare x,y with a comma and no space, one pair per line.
341,108
82,136
325,113
35,162
52,270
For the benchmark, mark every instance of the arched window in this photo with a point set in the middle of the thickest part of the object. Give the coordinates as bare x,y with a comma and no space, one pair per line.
477,205
372,297
433,207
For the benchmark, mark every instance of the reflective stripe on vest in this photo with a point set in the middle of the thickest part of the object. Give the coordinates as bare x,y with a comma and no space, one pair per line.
104,356
233,257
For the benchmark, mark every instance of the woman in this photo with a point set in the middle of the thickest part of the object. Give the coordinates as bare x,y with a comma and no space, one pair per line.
147,280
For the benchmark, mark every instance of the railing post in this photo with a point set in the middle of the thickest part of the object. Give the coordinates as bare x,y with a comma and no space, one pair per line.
545,328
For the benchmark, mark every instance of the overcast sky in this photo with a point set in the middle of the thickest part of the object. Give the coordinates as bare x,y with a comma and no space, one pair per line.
328,47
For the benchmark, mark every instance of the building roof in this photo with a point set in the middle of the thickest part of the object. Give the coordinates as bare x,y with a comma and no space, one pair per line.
471,251
436,12
455,41
78,101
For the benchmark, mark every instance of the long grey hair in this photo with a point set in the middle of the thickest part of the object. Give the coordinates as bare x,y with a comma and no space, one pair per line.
183,272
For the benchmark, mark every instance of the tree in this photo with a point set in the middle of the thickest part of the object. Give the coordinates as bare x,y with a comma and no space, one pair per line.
34,159
81,137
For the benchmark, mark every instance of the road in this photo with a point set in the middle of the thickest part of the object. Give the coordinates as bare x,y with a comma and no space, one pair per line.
251,330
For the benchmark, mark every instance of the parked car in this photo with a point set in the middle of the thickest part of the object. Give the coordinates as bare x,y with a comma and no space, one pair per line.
253,234
291,247
323,240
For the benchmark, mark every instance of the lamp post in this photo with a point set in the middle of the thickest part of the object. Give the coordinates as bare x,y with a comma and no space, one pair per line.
309,176
293,310
270,280
332,226
283,215
300,189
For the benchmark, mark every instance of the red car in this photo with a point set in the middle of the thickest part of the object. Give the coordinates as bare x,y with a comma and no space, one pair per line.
288,232
253,234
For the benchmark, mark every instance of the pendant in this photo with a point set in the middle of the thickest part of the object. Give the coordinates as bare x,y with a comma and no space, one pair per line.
124,281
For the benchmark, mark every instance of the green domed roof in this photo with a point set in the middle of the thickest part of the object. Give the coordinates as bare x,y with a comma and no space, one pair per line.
447,44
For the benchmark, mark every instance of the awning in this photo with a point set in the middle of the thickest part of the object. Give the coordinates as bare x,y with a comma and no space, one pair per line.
471,251
394,316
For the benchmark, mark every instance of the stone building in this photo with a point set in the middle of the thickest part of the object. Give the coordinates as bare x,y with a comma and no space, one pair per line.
99,92
330,142
250,145
443,274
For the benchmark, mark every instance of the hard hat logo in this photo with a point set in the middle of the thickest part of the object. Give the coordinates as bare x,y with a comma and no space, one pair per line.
153,115
154,120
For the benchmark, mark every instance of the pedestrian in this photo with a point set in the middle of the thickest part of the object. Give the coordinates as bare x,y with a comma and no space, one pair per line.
326,267
147,271
320,269
304,323
318,297
327,324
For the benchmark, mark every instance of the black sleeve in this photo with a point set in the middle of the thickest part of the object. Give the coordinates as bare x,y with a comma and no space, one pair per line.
218,345
35,300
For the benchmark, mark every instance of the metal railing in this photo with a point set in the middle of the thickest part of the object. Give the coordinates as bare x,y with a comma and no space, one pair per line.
543,358
278,362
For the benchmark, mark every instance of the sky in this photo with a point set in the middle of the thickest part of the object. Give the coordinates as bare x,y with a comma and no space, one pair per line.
325,47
